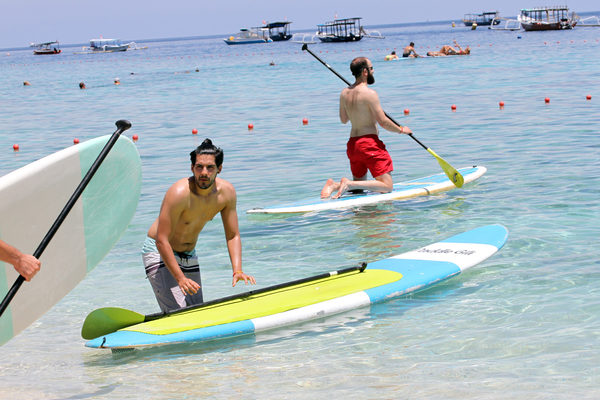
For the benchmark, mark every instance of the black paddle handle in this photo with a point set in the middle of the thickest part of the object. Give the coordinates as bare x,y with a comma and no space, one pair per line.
305,47
359,268
122,126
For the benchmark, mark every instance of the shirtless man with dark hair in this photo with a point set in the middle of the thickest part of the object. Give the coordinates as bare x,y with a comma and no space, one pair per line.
169,251
409,51
360,105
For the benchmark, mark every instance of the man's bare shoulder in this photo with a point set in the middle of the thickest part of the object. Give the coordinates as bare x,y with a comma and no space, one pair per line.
179,189
225,187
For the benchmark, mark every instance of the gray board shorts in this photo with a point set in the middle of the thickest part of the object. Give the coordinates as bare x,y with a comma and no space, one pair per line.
168,293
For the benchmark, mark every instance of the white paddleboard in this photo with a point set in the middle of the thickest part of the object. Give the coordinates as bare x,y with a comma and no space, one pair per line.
32,197
402,190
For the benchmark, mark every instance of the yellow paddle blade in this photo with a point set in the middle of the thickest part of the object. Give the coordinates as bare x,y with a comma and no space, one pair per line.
107,320
451,172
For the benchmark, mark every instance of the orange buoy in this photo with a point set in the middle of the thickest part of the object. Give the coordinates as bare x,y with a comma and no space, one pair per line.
453,107
305,121
135,138
15,147
75,141
250,127
588,97
194,131
406,111
501,104
547,100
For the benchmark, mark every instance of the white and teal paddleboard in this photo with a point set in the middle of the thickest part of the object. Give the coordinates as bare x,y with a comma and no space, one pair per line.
292,303
402,190
32,197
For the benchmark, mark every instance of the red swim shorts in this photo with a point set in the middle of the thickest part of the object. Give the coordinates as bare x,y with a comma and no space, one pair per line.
368,152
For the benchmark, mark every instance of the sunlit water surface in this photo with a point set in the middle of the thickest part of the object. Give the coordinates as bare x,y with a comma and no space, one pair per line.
523,325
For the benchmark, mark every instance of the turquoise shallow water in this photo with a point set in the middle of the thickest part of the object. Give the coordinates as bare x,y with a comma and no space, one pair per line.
523,325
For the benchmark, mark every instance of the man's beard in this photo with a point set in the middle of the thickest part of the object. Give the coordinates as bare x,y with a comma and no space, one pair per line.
370,79
204,184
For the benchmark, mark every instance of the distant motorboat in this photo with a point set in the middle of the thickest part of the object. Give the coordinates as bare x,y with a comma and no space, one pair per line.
250,36
483,19
547,19
505,24
279,31
107,45
46,48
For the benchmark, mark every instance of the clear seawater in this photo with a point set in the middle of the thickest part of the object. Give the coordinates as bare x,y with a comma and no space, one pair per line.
524,324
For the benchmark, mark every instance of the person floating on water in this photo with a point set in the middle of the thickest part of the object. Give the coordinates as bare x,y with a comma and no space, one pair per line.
25,264
169,250
360,105
409,51
391,56
82,85
447,50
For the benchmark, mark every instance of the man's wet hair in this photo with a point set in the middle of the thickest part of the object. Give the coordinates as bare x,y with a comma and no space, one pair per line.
357,65
207,147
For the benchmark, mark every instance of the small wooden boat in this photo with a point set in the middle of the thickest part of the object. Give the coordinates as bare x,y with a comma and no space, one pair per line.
46,48
483,19
340,30
279,31
547,19
250,36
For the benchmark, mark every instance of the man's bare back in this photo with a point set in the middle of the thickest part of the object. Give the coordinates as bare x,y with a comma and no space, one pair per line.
357,106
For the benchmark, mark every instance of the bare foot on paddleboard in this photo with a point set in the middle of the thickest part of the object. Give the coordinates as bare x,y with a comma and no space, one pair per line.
329,187
342,188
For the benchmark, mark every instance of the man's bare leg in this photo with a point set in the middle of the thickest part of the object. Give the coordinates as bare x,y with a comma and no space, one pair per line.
382,183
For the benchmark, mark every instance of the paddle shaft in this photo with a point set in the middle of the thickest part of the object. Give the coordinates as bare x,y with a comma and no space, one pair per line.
305,47
360,268
122,126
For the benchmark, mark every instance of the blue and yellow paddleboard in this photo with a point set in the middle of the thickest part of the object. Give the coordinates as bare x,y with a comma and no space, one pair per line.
32,197
379,281
402,190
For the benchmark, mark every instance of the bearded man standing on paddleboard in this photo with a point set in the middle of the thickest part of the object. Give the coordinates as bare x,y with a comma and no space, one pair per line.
360,105
169,250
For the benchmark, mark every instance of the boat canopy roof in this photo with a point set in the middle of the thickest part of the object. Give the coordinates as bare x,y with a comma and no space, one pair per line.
43,44
277,24
556,8
101,42
483,14
343,21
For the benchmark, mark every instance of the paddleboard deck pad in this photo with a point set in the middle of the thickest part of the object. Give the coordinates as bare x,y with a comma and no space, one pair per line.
402,190
32,197
381,281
